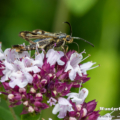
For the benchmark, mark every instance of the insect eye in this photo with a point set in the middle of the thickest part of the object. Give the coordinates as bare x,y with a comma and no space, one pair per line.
68,39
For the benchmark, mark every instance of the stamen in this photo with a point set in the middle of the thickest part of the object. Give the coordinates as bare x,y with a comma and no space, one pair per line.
94,67
86,57
83,51
112,112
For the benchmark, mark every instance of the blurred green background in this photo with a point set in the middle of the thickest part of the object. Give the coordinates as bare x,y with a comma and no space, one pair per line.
94,20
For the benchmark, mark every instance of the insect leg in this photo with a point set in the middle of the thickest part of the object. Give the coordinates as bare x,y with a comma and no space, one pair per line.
67,47
62,46
30,41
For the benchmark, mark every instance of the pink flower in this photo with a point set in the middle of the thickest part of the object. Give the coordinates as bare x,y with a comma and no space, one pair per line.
52,101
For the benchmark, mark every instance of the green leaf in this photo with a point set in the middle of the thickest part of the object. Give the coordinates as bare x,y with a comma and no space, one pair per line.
80,7
5,114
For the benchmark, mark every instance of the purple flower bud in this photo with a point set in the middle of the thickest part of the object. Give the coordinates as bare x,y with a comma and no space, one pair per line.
43,82
94,115
91,105
37,104
6,85
17,97
54,93
36,77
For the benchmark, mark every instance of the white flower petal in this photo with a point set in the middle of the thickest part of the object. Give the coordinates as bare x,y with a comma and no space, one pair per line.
54,56
72,65
6,76
35,69
39,60
86,66
72,74
62,107
68,66
24,54
83,93
61,54
8,65
10,55
71,95
60,62
78,98
56,109
63,101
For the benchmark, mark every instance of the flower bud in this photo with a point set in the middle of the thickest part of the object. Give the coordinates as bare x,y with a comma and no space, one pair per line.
84,112
25,103
30,109
32,90
54,93
78,107
38,76
39,95
43,82
22,90
72,118
50,75
91,105
10,96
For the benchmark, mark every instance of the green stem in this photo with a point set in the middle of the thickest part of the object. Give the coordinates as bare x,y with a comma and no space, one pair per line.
40,116
12,111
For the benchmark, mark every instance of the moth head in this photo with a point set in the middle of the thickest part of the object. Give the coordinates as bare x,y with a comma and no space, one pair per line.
69,39
22,34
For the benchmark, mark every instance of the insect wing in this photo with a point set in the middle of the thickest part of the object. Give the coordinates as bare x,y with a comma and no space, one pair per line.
37,40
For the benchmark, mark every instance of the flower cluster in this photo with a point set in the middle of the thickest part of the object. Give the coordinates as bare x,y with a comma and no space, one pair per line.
45,80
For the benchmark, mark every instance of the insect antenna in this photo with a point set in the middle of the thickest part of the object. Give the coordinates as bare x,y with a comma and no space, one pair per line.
70,27
77,45
83,40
